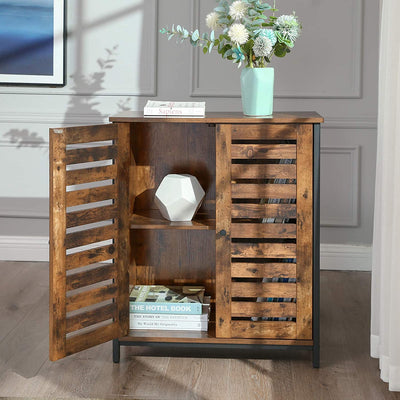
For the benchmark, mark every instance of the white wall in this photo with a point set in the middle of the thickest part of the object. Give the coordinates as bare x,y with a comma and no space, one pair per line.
332,70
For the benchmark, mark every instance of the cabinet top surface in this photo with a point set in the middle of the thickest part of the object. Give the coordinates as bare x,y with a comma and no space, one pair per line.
307,117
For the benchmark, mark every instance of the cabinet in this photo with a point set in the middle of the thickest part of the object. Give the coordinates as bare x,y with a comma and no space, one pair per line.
254,244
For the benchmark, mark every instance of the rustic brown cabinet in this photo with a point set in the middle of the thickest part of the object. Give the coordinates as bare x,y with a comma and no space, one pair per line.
254,244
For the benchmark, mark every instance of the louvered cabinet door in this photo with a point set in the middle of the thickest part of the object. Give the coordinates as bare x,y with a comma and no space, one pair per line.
89,230
264,212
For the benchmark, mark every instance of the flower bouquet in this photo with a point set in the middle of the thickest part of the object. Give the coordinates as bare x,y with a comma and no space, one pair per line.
246,35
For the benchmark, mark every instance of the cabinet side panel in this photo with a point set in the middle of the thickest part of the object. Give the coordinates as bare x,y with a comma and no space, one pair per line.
223,231
304,231
58,226
122,240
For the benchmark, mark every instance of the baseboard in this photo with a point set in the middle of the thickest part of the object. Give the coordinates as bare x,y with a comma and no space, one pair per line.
333,256
24,248
346,257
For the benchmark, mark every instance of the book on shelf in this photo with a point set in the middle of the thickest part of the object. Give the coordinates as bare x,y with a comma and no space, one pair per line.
175,108
168,325
159,299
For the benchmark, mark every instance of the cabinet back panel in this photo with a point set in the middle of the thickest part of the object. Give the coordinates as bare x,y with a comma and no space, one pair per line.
181,257
171,148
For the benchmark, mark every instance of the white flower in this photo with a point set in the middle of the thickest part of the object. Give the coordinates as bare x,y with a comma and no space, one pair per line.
288,27
238,33
212,20
262,46
238,9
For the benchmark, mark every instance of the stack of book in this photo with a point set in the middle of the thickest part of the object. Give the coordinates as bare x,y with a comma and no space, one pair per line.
159,307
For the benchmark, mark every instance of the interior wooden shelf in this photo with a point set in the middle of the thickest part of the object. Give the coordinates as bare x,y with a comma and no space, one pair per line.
152,219
156,336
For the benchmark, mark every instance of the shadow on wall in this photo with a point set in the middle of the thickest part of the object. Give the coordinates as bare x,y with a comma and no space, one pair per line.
24,138
92,85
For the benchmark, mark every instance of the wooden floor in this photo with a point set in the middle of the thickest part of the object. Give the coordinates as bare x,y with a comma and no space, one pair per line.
347,371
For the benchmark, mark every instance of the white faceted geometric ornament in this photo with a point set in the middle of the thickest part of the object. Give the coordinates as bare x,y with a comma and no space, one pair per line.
179,196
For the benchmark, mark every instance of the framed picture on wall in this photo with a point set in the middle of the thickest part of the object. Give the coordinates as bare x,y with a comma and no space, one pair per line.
32,42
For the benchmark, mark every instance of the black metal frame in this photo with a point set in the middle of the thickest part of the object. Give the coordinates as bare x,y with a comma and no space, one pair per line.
315,348
316,245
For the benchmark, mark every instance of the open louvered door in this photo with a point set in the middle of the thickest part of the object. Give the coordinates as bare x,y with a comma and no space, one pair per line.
264,231
89,244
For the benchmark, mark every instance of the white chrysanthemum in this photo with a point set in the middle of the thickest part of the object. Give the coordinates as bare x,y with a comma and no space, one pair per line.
212,20
262,46
238,9
238,33
288,27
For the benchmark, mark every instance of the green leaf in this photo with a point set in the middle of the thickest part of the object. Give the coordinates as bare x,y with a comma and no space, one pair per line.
280,50
212,36
195,35
205,49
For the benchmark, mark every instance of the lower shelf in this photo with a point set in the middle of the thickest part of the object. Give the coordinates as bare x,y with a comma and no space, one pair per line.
155,336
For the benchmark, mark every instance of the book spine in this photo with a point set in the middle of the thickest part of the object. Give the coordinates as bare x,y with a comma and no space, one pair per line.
169,325
173,111
165,308
169,317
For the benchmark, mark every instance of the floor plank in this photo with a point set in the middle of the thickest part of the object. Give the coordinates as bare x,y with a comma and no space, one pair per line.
347,371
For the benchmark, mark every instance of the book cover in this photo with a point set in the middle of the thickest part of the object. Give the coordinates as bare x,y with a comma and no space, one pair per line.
158,299
168,325
175,108
169,317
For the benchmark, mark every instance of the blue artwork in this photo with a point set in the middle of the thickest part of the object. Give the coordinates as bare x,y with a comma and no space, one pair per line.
28,41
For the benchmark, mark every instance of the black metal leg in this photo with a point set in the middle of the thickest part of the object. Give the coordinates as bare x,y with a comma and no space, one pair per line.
316,248
116,351
316,356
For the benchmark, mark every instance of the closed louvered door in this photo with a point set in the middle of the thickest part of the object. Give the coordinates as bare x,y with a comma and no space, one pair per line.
266,245
89,230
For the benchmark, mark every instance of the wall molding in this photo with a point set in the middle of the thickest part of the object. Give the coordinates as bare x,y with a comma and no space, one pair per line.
353,91
333,256
24,248
342,257
355,173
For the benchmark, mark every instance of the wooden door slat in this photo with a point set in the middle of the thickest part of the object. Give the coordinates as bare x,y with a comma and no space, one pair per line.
263,270
263,289
93,195
91,297
263,171
91,256
89,236
259,211
264,131
262,191
93,133
93,338
263,151
91,154
88,175
263,309
263,231
264,329
89,277
88,318
263,250
91,215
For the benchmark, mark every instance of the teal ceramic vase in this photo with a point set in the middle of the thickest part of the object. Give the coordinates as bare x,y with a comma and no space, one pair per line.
257,85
